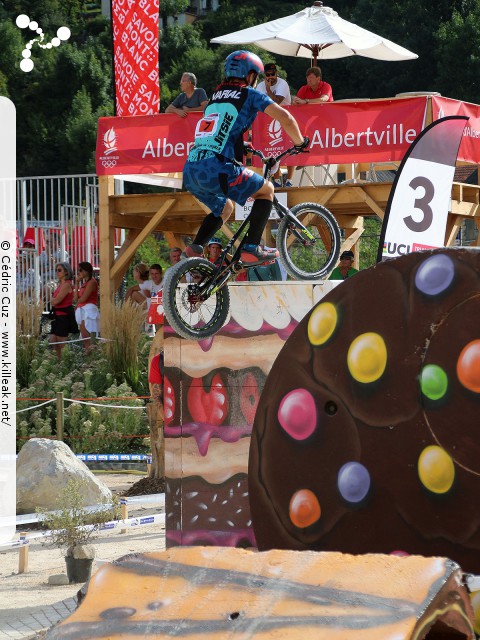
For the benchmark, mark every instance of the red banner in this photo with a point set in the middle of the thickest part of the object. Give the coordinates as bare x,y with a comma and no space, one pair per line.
144,144
340,132
135,46
470,145
343,132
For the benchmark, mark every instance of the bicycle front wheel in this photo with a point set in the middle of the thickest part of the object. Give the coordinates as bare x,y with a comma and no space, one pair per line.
188,309
309,258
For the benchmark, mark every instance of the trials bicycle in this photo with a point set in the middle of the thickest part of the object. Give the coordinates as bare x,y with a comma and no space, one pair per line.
196,299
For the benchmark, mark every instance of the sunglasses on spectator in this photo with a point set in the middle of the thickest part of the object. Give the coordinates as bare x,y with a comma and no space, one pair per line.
59,269
269,74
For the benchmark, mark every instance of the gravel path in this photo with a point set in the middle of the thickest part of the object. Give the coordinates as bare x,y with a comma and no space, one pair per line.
28,604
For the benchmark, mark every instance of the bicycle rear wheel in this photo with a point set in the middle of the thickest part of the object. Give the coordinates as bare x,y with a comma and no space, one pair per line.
307,259
188,311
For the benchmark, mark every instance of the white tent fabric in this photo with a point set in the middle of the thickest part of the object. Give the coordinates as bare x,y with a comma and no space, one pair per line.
317,32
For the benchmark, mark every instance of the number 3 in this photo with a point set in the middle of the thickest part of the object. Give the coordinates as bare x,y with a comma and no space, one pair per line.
422,204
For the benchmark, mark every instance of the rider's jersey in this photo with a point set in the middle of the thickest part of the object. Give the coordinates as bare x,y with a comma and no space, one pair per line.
231,110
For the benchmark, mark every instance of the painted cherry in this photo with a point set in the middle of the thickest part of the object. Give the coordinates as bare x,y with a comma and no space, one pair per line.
211,406
249,397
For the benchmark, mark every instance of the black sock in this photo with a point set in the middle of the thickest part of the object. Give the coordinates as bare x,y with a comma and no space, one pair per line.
210,225
258,219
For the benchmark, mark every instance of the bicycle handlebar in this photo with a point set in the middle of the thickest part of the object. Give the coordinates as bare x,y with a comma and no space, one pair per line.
292,151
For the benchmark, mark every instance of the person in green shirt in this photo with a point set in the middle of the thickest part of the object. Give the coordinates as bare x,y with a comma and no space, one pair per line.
344,269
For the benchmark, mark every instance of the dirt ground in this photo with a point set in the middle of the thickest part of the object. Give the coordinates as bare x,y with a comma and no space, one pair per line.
19,592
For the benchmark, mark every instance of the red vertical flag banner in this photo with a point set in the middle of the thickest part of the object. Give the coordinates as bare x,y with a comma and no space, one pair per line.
135,47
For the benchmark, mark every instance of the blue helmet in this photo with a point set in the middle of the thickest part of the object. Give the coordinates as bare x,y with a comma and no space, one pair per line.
239,64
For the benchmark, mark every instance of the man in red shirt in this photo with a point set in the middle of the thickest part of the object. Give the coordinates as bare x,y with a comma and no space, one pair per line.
315,91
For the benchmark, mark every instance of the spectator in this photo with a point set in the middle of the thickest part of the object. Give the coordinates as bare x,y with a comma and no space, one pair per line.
344,269
136,293
62,302
214,248
175,255
278,90
153,288
85,295
265,272
28,282
190,99
315,91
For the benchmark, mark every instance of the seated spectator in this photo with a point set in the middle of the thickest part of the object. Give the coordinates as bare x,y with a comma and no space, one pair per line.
62,305
85,295
278,90
214,248
28,282
190,99
136,293
315,91
344,269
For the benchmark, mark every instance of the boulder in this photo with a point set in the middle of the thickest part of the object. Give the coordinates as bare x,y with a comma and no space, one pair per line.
44,467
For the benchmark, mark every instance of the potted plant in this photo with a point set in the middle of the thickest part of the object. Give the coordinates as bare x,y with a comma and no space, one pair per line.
73,528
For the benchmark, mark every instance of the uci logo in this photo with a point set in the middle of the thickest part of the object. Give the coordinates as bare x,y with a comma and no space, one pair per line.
275,132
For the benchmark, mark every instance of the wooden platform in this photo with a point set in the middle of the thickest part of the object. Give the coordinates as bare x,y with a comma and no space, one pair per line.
217,593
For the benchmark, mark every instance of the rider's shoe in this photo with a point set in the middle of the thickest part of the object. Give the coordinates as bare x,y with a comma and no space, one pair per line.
253,254
192,251
288,183
277,183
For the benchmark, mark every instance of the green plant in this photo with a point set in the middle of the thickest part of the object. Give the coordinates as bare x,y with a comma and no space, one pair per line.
28,333
71,525
123,335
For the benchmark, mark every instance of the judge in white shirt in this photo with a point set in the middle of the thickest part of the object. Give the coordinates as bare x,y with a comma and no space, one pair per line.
278,90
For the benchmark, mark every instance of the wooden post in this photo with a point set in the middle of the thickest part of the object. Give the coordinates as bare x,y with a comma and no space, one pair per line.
60,416
123,512
23,555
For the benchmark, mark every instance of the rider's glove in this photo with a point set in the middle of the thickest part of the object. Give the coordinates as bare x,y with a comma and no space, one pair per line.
301,147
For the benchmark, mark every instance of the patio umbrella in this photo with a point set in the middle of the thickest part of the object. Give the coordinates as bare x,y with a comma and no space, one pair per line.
317,32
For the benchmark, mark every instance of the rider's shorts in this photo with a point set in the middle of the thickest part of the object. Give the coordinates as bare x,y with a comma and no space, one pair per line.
213,181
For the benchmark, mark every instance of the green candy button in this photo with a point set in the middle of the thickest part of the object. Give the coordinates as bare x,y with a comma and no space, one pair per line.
433,382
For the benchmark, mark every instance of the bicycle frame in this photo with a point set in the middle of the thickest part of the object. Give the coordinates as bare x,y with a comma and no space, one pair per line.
227,267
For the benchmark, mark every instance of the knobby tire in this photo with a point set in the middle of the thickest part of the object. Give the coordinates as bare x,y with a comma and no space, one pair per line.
191,318
311,262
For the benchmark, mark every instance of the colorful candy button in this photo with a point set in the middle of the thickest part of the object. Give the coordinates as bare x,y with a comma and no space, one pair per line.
468,366
435,275
367,357
436,469
297,414
304,508
322,323
353,482
433,382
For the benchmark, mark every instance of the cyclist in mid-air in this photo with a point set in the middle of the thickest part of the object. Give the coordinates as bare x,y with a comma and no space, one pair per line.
211,172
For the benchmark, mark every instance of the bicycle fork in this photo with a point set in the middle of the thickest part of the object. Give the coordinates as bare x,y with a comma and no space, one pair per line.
301,233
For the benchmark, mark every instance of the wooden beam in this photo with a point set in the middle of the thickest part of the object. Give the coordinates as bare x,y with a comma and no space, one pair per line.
453,225
131,235
127,256
372,204
106,189
174,239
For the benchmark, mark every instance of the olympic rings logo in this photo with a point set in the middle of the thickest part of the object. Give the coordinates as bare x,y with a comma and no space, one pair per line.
109,164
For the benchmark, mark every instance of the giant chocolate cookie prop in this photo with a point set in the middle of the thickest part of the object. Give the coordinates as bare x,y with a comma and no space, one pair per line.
367,433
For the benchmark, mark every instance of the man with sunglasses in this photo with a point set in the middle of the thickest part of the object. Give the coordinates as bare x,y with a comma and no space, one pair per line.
278,90
274,87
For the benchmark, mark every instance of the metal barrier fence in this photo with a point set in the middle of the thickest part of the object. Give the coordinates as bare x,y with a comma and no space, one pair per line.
55,223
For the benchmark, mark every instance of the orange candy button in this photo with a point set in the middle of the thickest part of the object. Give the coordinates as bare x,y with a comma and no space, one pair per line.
304,508
468,366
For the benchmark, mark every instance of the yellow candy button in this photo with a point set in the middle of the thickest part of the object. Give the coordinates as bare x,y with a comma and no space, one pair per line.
367,357
436,469
322,323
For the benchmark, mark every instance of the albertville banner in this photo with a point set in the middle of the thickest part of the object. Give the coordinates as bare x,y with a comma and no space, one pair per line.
344,132
135,56
369,131
470,145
